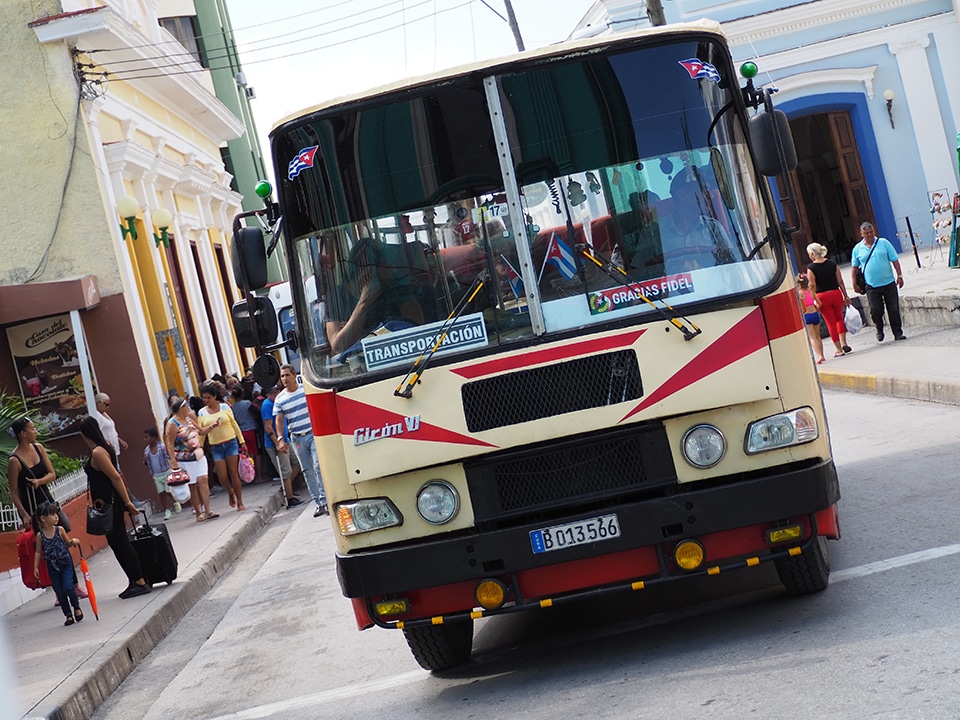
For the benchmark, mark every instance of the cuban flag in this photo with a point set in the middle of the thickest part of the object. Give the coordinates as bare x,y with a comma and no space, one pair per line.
699,69
303,160
513,277
560,254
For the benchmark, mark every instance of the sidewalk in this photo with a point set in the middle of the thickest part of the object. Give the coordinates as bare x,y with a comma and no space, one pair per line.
926,366
67,672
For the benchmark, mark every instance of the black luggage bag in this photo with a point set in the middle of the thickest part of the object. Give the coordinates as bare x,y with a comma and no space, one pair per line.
153,547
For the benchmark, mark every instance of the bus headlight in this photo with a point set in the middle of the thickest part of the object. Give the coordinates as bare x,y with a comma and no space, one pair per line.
703,446
438,502
363,516
779,431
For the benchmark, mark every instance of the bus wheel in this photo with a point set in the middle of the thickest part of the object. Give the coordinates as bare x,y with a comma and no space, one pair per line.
441,647
808,572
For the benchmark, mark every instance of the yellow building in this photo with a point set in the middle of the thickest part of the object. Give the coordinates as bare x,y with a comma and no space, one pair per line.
104,105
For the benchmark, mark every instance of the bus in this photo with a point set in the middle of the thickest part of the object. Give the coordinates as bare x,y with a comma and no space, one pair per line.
549,333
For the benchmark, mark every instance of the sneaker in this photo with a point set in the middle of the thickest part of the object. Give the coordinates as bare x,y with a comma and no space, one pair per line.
901,336
177,507
293,502
82,592
135,590
167,515
321,510
847,349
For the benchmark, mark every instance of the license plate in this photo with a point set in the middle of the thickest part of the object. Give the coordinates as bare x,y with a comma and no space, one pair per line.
559,537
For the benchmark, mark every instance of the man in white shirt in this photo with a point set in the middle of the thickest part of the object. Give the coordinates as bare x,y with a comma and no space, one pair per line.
290,411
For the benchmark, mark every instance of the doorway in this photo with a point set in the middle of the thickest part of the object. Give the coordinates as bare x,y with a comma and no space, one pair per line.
829,186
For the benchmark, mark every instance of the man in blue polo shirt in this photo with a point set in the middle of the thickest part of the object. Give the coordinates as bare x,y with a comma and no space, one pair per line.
875,256
290,412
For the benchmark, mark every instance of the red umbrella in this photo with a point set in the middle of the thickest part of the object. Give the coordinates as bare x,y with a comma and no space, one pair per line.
85,569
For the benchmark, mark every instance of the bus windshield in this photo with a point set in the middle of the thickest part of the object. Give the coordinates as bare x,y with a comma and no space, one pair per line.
401,205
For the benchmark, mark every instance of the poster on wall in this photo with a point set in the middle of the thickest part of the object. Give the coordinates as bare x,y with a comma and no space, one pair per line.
48,366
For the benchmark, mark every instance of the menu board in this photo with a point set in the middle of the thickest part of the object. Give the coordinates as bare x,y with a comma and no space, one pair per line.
48,367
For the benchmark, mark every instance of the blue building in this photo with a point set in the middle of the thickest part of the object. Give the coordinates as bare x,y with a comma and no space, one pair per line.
872,102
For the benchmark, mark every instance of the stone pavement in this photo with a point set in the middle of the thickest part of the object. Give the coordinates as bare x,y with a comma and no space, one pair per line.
65,673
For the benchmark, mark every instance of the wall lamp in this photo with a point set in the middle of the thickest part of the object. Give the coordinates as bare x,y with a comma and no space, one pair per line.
888,95
162,219
127,208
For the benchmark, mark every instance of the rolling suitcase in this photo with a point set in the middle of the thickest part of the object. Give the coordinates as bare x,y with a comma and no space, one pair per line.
153,546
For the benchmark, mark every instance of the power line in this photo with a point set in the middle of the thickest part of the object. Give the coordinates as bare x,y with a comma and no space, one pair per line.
167,56
122,74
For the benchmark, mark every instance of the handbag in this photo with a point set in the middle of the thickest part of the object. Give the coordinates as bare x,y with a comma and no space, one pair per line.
859,280
178,477
99,521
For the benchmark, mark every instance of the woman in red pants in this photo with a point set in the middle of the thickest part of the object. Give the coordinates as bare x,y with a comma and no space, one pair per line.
826,284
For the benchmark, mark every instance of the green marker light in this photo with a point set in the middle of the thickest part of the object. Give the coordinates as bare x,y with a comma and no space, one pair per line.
749,70
263,189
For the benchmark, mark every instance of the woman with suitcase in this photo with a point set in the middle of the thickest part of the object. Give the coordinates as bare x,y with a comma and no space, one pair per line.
107,488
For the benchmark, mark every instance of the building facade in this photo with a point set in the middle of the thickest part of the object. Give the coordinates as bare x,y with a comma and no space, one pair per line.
107,104
872,100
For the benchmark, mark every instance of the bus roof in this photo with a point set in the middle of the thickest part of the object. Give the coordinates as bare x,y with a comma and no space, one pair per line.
702,26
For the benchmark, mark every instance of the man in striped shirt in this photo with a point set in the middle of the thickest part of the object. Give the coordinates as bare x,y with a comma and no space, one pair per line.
290,409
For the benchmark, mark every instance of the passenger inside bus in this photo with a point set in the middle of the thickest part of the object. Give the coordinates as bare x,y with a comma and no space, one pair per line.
383,286
684,233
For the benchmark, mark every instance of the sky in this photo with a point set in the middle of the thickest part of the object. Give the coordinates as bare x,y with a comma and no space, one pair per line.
298,53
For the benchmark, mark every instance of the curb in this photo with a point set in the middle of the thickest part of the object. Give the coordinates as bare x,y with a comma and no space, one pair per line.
117,659
896,386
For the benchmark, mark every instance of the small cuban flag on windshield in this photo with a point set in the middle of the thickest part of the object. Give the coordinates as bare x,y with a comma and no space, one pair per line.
303,160
699,69
560,254
513,277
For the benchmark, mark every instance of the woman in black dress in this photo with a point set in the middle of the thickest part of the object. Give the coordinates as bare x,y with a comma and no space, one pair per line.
107,486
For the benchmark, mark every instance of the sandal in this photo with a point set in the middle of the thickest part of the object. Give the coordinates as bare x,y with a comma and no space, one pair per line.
78,614
69,621
847,349
211,515
821,361
838,353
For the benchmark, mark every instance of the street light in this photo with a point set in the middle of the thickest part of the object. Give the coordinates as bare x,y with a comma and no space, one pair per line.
161,221
127,208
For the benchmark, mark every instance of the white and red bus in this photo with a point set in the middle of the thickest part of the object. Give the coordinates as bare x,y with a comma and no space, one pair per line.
550,335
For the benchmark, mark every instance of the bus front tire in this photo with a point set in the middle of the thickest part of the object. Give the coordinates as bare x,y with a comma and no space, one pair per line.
441,647
808,572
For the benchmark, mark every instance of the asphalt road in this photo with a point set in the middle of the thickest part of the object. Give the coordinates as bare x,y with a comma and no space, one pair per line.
275,639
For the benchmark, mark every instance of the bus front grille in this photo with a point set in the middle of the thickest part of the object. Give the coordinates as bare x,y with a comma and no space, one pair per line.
576,472
527,395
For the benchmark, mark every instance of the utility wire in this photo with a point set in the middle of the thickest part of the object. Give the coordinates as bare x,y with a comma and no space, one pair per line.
122,74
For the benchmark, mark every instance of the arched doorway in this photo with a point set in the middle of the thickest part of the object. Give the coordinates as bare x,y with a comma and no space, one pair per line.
839,181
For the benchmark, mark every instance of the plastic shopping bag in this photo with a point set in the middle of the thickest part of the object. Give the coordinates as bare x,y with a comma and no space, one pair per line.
247,470
852,319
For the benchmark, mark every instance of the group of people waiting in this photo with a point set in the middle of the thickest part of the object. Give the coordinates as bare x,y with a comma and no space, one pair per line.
272,419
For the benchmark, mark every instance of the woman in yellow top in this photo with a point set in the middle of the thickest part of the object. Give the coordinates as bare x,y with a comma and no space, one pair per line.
226,441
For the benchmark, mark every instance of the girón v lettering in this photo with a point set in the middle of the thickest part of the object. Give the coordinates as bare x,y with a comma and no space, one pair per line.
410,424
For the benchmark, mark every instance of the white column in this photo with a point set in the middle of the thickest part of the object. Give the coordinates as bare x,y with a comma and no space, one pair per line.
948,52
936,153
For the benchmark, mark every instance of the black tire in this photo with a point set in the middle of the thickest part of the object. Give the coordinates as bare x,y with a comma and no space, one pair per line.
808,572
441,647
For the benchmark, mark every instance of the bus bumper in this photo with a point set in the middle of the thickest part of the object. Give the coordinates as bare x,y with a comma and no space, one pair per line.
731,521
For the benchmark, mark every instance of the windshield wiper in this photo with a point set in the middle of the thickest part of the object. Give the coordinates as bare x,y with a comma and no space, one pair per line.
619,275
405,388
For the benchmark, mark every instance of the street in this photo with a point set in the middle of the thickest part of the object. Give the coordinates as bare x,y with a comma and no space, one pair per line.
275,638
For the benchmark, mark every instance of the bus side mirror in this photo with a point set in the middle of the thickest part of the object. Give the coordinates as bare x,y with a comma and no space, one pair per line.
249,257
773,143
264,318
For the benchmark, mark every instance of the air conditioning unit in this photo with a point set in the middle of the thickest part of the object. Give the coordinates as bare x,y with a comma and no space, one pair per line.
241,79
251,93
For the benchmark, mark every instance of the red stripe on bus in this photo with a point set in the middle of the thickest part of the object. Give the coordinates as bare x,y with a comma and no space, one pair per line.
323,413
553,354
744,338
355,415
781,314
